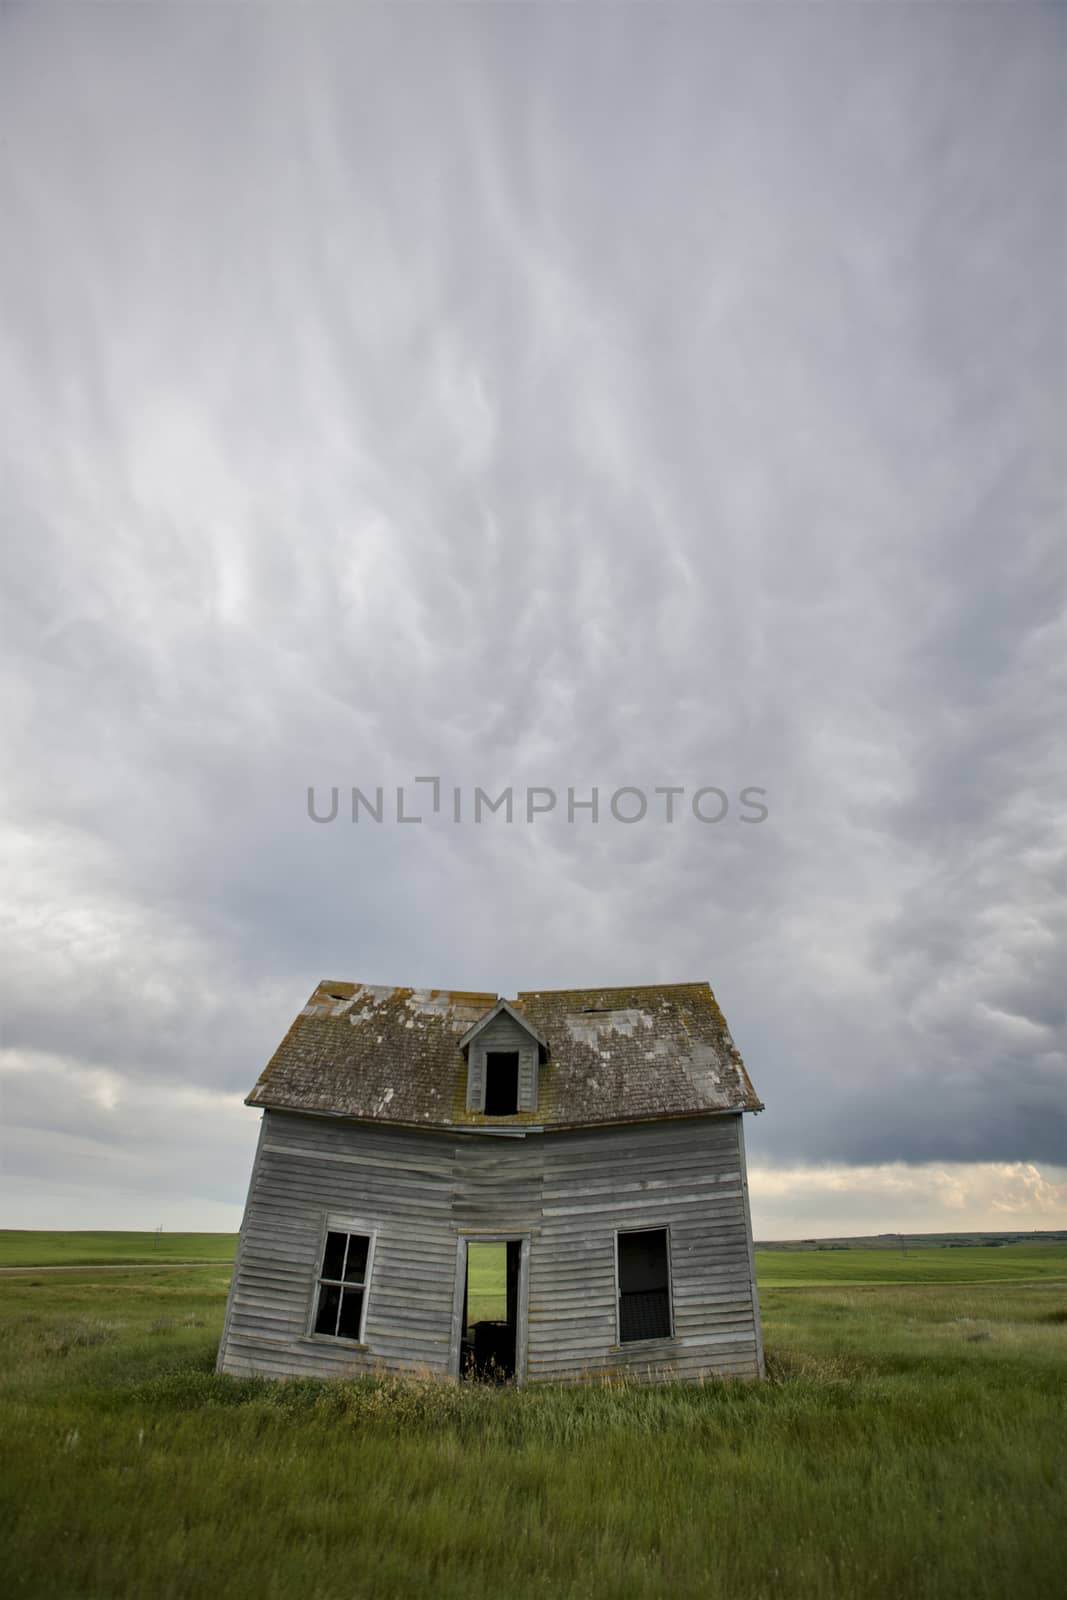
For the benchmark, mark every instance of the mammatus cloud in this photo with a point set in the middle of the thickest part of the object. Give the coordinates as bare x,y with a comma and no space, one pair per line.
534,398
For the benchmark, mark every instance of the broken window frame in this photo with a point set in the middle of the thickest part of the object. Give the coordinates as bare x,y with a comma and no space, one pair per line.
621,1233
352,1228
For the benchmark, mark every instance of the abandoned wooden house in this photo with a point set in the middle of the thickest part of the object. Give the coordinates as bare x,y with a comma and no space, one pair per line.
596,1134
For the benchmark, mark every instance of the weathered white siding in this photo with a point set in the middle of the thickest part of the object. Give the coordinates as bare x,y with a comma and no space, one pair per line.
567,1192
685,1176
399,1183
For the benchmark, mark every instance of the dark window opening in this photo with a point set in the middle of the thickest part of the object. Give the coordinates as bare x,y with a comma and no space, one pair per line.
342,1285
644,1286
501,1083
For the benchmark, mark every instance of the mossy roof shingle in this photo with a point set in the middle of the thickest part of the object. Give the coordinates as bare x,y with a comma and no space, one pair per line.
614,1055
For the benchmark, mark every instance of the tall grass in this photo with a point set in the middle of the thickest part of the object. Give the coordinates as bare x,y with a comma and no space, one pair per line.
891,1453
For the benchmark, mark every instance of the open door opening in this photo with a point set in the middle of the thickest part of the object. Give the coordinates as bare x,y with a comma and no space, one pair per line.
491,1311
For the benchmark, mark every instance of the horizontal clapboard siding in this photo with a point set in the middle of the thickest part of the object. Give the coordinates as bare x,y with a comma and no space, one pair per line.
567,1193
684,1176
400,1185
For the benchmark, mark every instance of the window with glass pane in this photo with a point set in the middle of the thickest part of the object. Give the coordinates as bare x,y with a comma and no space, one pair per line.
342,1285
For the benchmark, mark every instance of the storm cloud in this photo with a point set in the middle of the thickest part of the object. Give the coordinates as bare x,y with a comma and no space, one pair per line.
567,397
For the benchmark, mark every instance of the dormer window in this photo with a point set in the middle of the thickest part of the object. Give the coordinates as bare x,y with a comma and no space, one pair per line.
501,1083
504,1053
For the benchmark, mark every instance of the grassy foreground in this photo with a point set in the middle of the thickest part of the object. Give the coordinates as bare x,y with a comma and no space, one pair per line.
910,1443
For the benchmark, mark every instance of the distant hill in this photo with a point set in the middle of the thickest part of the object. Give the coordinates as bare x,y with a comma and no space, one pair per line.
923,1241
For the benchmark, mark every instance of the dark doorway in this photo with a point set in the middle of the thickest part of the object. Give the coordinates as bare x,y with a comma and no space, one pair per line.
644,1285
501,1083
491,1302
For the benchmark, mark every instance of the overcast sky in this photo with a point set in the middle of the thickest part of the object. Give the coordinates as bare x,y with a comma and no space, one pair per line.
536,396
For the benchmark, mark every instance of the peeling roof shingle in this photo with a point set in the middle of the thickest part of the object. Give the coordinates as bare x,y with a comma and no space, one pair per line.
614,1055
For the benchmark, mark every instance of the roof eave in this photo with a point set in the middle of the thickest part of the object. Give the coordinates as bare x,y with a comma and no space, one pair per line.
478,1127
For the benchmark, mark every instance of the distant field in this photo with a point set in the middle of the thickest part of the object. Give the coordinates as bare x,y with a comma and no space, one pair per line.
908,1446
798,1265
896,1242
814,1268
28,1248
1010,1263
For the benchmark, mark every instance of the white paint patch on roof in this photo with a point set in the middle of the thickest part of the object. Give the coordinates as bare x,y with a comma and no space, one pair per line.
587,1027
703,1067
429,1003
369,996
376,993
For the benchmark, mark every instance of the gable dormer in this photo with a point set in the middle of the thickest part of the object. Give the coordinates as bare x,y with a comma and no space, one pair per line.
503,1053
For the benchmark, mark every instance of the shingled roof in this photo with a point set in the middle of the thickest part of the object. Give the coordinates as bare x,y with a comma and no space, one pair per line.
376,1054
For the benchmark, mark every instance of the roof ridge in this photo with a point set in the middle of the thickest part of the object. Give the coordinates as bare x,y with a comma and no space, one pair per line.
425,988
493,995
616,988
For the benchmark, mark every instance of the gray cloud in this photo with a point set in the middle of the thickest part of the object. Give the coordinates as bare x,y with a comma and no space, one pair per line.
639,396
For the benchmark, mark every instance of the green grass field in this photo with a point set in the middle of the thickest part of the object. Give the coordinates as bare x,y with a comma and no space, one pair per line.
39,1249
486,1294
911,1442
1017,1263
